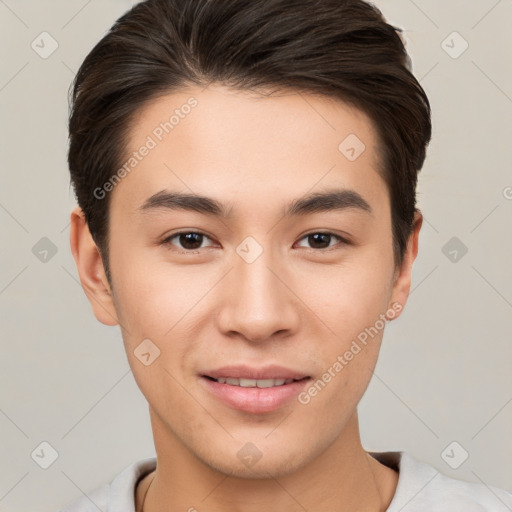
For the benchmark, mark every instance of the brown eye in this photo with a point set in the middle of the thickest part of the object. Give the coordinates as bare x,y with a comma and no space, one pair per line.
323,240
187,240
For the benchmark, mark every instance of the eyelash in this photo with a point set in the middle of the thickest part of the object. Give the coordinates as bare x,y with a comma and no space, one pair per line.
167,240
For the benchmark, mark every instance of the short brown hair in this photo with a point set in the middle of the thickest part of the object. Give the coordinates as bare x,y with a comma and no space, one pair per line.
337,48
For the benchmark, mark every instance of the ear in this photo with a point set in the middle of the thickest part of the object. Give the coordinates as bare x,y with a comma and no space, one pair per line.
90,269
402,275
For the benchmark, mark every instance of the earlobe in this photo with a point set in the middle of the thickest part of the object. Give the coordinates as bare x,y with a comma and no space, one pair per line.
402,276
90,269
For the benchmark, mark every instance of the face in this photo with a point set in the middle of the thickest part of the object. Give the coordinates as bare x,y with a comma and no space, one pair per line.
262,277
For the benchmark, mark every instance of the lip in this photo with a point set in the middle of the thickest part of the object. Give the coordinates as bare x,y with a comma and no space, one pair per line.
248,372
254,400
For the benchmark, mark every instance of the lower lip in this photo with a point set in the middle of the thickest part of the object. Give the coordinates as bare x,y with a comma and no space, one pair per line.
255,400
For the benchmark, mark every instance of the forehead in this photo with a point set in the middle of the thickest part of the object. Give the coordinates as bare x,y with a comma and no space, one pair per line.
219,142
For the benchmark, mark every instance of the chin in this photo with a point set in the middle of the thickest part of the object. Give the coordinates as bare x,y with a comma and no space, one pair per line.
252,464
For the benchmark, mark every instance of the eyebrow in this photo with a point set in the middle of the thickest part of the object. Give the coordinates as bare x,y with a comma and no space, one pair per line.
331,200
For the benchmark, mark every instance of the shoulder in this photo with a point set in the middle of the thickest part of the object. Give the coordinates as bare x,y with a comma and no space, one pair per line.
421,487
92,502
116,496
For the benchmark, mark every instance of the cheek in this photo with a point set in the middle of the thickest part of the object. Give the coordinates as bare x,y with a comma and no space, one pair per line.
151,296
350,297
157,306
351,301
163,303
334,395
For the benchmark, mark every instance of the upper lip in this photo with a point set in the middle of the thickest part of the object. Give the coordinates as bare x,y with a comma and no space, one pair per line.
248,372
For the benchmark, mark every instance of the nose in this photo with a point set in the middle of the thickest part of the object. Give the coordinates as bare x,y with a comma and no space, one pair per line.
258,302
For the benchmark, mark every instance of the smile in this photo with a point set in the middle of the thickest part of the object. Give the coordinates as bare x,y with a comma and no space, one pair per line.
256,396
253,383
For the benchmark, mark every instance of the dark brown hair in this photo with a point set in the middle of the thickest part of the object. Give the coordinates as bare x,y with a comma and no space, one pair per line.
342,49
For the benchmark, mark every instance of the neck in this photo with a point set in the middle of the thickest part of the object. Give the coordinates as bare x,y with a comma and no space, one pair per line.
342,478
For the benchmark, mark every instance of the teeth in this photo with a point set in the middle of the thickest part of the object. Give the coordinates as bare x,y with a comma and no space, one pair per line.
253,383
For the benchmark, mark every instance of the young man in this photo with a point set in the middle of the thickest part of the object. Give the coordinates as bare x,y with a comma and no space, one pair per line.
246,173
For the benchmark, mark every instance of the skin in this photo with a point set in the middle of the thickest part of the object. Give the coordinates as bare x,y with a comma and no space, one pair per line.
297,305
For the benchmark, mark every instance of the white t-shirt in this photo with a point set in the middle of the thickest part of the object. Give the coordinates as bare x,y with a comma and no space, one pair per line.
421,488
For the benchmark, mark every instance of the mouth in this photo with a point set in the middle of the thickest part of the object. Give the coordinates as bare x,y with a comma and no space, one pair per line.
254,383
251,394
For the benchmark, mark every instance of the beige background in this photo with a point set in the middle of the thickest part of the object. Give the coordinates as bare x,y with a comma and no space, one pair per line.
444,372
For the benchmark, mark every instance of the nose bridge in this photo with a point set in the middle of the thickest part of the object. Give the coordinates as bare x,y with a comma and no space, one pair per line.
257,304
